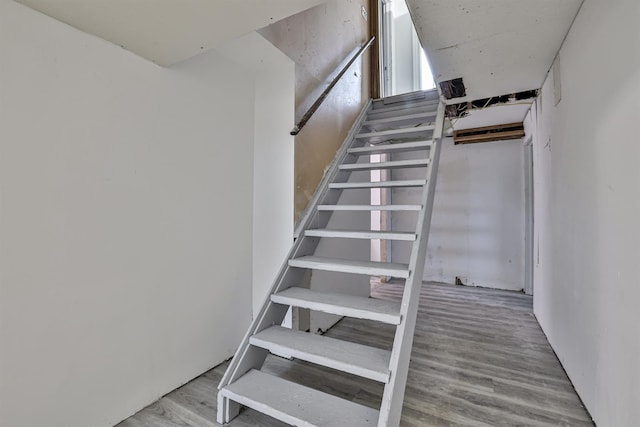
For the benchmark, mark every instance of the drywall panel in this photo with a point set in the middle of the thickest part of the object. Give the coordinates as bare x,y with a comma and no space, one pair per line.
169,31
477,227
126,221
587,205
318,40
274,81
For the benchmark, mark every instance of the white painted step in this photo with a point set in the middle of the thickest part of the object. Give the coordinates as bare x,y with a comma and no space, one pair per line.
365,234
341,304
296,404
396,164
416,96
401,118
371,268
392,148
369,207
357,359
396,133
400,108
383,184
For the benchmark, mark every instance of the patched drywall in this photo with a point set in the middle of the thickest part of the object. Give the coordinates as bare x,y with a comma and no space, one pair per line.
318,40
587,205
126,220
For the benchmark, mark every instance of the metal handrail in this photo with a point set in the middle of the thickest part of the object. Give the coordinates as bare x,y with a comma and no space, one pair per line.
303,121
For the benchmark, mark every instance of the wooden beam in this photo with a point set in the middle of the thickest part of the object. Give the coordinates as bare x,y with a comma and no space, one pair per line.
489,133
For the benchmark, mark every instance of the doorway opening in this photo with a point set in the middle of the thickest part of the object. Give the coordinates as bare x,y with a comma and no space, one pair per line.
405,67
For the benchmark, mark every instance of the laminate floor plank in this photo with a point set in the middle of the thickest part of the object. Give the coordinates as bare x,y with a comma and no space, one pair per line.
479,359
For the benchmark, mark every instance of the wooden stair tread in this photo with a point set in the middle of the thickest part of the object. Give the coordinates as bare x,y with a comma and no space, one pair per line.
296,404
397,108
392,148
396,132
369,207
400,118
341,304
372,268
382,184
396,164
357,359
361,234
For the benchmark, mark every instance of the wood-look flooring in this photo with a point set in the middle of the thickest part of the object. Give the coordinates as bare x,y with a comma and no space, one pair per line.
479,359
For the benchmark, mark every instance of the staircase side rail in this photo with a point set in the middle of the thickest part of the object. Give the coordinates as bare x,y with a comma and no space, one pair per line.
393,397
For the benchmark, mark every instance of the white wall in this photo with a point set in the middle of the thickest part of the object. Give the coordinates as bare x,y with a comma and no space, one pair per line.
125,224
274,80
477,228
587,205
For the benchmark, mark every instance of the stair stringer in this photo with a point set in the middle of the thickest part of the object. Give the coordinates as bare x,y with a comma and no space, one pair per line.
393,396
249,357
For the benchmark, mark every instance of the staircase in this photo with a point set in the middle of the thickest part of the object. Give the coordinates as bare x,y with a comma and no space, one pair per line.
407,123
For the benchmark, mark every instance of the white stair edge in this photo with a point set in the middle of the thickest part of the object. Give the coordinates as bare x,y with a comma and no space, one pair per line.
414,116
397,147
341,304
404,106
364,234
393,132
310,408
381,184
369,207
395,164
357,359
371,268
